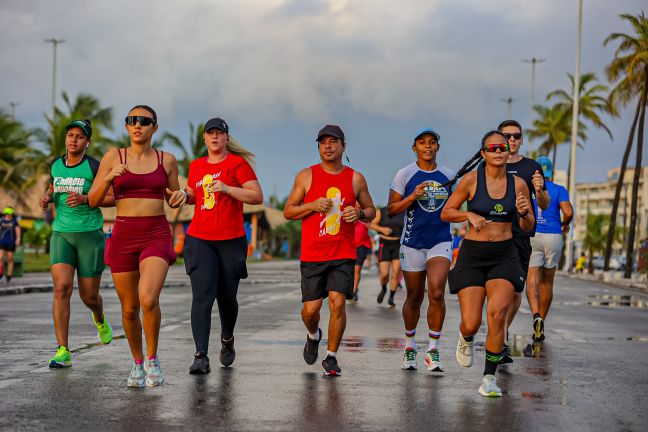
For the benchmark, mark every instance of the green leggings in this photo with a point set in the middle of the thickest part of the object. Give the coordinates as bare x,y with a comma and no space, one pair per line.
82,250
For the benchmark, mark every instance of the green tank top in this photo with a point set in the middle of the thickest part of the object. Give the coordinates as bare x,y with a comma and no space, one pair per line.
77,178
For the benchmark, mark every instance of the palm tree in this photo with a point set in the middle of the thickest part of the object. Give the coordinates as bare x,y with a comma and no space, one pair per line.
193,150
630,68
595,236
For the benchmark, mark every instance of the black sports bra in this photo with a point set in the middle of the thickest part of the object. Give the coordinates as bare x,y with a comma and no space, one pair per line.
496,210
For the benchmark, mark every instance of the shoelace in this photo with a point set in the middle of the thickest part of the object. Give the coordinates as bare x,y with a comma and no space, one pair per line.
410,355
435,355
154,366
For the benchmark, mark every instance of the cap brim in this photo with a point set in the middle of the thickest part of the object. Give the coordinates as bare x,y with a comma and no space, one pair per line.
430,132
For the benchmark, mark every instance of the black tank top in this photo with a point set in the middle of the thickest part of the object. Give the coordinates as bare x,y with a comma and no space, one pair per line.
496,210
396,222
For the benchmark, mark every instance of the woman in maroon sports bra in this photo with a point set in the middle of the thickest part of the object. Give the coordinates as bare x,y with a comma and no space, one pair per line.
141,246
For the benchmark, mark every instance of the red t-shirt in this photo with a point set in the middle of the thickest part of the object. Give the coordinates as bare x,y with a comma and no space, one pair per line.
218,216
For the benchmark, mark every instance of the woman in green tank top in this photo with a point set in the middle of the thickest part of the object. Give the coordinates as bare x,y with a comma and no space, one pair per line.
77,242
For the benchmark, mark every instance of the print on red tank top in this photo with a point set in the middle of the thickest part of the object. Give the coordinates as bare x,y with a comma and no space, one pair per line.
326,236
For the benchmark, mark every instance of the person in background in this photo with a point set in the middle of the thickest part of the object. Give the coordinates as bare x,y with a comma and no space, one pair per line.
9,240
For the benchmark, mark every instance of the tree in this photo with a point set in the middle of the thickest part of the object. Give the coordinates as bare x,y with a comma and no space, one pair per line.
630,68
194,149
595,236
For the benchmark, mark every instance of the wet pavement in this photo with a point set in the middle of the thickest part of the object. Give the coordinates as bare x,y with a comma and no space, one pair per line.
590,373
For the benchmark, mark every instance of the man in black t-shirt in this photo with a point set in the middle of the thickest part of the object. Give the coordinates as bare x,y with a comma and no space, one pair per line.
531,172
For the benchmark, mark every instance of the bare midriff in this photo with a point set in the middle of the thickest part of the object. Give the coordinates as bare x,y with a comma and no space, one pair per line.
492,232
140,207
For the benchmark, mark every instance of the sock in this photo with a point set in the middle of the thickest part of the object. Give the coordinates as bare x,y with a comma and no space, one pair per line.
492,360
410,338
331,353
383,287
467,338
139,361
391,294
153,357
9,278
536,315
314,336
434,340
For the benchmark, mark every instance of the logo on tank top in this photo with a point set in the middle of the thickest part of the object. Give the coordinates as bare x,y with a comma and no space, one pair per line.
331,223
498,210
434,197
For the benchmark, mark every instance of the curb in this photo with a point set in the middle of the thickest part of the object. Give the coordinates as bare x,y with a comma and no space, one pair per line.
626,284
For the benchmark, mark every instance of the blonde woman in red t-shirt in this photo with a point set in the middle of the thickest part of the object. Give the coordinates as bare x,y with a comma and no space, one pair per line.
215,247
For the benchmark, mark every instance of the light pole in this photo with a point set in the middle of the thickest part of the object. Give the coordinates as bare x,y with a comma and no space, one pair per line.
13,109
509,109
54,43
533,61
574,131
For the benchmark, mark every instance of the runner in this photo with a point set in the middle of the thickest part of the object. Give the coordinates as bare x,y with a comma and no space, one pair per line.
580,263
487,266
362,244
141,246
9,240
77,242
215,246
426,243
390,230
547,248
531,172
324,197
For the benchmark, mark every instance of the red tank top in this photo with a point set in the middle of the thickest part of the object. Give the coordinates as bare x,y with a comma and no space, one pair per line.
150,185
326,236
362,235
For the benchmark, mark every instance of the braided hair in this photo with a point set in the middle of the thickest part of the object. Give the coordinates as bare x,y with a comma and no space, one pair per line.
473,161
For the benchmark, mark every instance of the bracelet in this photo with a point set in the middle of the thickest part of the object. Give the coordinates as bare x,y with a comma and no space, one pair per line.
523,216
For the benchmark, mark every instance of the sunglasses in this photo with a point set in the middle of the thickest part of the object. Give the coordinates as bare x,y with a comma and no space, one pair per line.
144,121
508,136
492,148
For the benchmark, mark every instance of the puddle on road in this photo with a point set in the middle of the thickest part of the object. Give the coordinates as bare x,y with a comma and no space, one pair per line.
351,343
94,345
609,300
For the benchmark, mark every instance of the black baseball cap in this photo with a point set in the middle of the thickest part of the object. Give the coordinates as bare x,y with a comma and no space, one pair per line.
84,125
217,123
330,130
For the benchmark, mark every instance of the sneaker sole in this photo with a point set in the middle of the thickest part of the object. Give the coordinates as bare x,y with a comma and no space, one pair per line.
490,394
434,368
136,384
409,367
153,383
332,374
57,365
199,372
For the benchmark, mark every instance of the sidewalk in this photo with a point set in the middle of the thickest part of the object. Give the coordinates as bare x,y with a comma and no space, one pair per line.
614,278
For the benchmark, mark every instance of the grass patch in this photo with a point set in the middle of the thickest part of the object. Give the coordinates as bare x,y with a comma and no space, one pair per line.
33,263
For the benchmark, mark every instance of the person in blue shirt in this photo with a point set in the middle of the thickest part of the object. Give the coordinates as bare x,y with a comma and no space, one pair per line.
421,190
547,248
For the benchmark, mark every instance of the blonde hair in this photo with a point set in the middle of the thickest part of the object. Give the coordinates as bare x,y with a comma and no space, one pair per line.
235,147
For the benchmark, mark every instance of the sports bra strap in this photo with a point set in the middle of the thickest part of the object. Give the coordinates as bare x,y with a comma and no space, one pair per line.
120,156
160,155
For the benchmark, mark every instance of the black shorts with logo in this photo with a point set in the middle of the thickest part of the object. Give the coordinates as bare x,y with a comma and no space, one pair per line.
389,250
524,250
318,278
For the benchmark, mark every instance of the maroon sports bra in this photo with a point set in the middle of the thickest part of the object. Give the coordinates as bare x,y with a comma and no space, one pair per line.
150,185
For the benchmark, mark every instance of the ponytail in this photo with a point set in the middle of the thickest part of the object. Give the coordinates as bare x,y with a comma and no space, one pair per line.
235,147
468,166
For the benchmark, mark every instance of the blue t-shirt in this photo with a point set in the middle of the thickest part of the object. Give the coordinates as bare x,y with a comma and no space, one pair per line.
8,230
549,220
424,228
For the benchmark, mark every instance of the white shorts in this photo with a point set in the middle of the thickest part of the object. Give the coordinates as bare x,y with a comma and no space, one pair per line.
546,250
416,259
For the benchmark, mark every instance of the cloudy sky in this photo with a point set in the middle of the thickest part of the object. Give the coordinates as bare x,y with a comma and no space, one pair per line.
277,70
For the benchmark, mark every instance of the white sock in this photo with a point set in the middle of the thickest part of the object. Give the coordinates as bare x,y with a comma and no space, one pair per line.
434,340
410,339
314,336
331,353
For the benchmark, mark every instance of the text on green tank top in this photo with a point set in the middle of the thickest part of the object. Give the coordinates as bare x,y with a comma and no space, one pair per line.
68,179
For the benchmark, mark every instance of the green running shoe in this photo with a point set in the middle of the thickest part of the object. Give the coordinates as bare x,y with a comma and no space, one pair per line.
62,359
104,331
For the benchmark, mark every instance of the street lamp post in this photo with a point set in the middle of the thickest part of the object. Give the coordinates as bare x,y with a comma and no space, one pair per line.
533,61
509,106
574,131
13,109
54,43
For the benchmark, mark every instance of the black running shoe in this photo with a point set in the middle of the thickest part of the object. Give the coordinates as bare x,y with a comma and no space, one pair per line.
311,348
9,279
331,367
381,295
506,355
390,302
227,354
200,365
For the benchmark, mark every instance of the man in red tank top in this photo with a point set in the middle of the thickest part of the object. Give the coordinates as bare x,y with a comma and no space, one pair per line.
324,198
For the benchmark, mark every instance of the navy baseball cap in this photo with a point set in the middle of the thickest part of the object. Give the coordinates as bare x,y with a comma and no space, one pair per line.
330,130
217,123
83,125
427,131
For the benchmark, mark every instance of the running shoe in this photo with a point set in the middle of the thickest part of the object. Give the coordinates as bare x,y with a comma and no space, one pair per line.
489,387
311,348
409,359
331,367
137,377
433,362
381,295
506,355
104,331
465,352
391,303
538,330
227,353
200,365
61,359
154,375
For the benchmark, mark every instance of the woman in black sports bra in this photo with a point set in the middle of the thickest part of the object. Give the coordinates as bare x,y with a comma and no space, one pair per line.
487,265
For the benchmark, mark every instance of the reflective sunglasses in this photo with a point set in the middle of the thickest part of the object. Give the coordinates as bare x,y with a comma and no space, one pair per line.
144,121
492,148
508,136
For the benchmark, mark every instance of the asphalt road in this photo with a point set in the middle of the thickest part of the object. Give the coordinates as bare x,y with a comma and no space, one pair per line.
590,373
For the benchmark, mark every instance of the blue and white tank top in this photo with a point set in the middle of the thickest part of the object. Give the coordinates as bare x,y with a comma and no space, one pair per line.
424,228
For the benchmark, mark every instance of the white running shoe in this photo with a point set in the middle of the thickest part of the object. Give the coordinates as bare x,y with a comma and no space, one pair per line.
154,375
489,387
465,352
409,359
137,376
433,362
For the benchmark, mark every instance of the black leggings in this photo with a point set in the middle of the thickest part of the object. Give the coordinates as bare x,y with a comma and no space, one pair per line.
215,268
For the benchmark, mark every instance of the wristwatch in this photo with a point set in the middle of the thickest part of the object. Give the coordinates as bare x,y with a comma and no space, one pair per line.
361,215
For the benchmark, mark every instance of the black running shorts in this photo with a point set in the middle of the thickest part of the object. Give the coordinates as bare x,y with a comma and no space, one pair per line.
363,252
479,262
318,278
524,249
389,250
